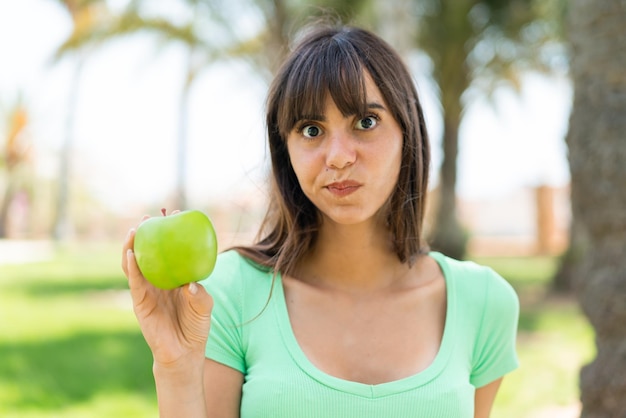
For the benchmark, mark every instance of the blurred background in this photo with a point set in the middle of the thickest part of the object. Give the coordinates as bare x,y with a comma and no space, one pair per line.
110,110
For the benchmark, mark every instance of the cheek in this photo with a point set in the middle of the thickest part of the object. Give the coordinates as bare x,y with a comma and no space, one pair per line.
390,156
304,161
392,164
296,165
301,167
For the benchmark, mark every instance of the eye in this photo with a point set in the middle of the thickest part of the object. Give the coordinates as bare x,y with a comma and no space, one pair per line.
366,123
310,131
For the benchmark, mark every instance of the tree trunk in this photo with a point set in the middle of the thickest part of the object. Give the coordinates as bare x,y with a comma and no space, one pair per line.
597,156
569,264
180,191
449,52
448,235
62,226
5,204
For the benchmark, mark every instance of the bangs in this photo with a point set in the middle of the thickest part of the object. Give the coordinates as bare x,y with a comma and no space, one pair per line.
338,61
331,68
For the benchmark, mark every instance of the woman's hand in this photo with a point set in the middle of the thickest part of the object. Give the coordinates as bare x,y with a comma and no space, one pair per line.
175,323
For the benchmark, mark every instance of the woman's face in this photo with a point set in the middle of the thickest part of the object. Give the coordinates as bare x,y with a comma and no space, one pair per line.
348,166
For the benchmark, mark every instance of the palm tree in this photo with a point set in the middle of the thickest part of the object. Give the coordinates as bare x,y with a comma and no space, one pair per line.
15,157
475,46
209,31
281,21
597,155
200,29
84,14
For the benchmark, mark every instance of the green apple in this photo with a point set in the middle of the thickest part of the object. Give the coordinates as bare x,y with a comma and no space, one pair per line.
176,249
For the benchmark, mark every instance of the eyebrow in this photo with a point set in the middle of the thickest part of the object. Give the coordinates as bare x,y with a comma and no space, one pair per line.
375,105
322,118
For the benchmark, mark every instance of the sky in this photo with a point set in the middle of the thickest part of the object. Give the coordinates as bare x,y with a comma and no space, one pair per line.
125,127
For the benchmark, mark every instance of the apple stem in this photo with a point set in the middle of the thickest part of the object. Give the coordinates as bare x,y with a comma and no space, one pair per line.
163,211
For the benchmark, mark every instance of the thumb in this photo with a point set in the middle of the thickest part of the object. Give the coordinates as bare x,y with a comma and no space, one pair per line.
199,299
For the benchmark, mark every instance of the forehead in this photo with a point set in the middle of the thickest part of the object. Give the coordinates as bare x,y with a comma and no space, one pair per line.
372,92
372,98
337,71
350,91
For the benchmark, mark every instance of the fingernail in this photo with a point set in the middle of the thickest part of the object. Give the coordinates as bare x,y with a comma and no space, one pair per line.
193,288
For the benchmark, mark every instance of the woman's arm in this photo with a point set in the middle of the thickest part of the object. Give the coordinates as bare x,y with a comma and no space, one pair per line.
175,324
484,398
222,390
180,391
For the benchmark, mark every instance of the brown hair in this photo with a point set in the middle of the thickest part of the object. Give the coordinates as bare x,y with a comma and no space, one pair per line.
334,59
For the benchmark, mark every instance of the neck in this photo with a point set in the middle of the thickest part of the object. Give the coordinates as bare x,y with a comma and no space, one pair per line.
355,258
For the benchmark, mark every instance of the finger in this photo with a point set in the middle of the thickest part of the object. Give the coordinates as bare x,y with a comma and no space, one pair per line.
199,299
198,313
128,244
136,281
142,292
174,212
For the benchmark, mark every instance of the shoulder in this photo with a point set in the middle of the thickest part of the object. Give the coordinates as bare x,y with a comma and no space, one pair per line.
230,260
476,282
232,267
484,299
238,281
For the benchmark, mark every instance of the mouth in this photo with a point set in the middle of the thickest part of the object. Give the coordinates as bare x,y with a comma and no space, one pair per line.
343,188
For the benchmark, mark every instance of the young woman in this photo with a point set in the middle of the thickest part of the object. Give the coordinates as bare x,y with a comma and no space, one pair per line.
339,309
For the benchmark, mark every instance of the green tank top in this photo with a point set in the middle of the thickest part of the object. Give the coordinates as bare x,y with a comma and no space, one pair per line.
478,347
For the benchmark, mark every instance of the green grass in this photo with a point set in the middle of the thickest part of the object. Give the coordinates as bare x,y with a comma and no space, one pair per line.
69,342
554,342
70,345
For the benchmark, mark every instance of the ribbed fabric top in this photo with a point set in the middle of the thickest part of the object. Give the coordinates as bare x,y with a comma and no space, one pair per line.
478,346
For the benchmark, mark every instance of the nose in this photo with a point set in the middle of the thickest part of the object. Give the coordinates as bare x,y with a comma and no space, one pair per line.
340,150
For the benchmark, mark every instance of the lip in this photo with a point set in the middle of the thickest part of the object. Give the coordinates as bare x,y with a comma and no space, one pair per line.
343,188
